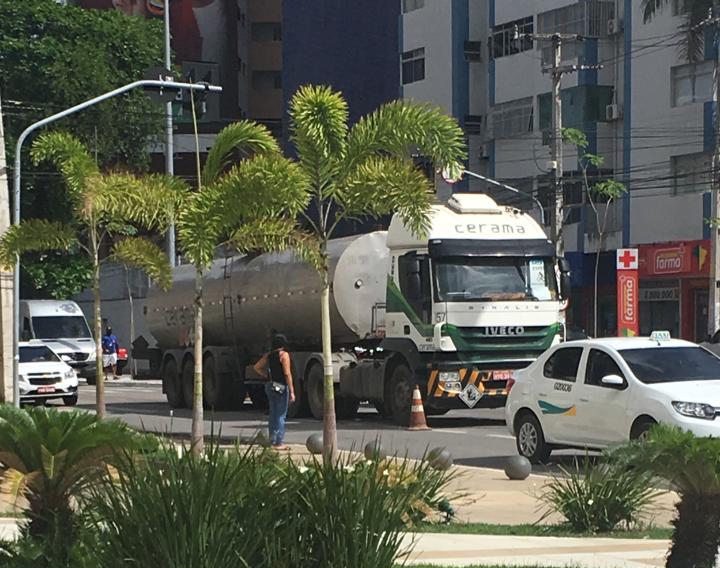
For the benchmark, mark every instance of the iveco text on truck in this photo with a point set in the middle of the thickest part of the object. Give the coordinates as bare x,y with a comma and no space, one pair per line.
454,312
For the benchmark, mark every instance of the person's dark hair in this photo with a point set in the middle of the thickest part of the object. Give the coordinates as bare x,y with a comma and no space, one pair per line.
108,330
279,341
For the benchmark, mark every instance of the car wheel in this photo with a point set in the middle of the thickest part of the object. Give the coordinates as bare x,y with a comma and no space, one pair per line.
530,439
70,400
91,380
641,428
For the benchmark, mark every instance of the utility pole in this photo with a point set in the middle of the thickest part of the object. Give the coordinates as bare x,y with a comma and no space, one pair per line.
7,352
556,71
713,292
169,151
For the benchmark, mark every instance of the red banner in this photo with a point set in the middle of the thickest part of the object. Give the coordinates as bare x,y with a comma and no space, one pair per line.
627,293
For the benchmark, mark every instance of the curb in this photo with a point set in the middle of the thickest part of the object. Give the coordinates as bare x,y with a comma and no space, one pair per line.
127,383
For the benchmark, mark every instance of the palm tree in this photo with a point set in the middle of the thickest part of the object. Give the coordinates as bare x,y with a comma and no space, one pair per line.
106,208
250,206
694,12
692,466
50,457
364,171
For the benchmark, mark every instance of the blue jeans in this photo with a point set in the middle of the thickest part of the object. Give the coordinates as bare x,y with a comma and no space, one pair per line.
278,406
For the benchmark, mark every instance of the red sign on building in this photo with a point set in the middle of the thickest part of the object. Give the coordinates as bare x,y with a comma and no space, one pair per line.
627,292
687,258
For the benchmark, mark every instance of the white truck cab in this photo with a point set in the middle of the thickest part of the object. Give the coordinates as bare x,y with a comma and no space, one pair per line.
62,326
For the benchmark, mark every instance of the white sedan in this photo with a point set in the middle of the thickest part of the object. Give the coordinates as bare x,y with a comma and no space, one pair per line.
43,376
599,392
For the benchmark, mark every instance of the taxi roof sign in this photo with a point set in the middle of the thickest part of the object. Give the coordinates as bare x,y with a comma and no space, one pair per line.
660,336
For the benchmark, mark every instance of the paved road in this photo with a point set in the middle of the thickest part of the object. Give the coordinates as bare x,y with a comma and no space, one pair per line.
475,437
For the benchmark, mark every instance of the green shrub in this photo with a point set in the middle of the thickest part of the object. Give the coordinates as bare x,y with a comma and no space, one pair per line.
598,497
250,508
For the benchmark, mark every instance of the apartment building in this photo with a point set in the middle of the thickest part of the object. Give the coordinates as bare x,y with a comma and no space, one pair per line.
643,107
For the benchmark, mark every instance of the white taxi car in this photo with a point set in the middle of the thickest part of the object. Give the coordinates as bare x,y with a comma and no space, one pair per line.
44,376
598,392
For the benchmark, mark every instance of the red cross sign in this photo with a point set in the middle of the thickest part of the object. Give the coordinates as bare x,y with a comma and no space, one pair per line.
627,259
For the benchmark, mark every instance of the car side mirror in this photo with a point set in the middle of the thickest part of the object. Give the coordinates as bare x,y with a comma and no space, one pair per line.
614,381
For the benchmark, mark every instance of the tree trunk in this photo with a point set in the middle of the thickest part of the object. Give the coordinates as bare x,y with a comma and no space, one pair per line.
595,288
329,423
131,360
198,426
696,536
100,380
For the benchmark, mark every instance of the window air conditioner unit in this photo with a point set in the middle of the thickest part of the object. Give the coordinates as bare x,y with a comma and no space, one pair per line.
614,26
613,112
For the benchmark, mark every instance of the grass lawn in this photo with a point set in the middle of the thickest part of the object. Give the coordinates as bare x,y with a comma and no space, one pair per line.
537,530
475,566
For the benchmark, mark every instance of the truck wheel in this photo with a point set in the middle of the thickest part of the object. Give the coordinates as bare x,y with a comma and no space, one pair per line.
171,382
299,408
530,439
401,390
215,395
187,380
315,391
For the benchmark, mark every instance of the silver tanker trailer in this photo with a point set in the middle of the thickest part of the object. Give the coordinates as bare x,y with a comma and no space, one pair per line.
455,313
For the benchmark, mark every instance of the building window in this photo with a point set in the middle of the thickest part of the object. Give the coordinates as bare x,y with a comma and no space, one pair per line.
410,5
413,65
266,80
691,173
512,118
580,105
266,31
691,83
504,42
588,19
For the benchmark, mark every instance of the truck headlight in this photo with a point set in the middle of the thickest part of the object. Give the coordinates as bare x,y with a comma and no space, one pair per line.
695,409
450,381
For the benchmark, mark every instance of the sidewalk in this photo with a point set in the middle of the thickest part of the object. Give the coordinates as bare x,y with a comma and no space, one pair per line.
479,550
128,381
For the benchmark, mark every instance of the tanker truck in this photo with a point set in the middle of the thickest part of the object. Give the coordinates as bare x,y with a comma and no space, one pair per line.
455,313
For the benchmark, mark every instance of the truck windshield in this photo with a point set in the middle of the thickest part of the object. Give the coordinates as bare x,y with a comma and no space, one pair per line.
465,279
672,364
37,354
60,327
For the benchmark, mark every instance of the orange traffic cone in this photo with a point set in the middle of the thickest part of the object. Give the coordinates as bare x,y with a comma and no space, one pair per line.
417,412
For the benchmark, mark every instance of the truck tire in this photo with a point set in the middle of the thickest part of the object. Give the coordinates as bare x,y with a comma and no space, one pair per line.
401,390
300,408
216,393
187,380
315,391
171,382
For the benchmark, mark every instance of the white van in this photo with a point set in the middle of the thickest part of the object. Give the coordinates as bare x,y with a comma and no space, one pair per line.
62,326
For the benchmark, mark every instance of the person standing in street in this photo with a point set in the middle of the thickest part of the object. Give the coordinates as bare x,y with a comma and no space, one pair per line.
110,349
275,366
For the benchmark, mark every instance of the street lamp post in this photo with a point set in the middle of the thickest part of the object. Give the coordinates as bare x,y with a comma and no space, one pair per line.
16,187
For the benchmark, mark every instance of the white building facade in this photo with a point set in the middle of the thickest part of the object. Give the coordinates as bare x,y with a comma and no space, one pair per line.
646,111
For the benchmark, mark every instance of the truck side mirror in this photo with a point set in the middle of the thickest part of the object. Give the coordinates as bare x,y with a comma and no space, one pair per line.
565,281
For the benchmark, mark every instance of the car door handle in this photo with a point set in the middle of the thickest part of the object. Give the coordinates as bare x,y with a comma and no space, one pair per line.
584,400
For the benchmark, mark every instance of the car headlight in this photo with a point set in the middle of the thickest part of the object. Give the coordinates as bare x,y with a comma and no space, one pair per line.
451,381
695,409
69,374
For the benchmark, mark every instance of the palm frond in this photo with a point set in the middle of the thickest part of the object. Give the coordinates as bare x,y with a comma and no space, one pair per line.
200,225
383,185
142,253
402,128
318,126
68,155
650,8
150,201
34,235
245,137
264,186
692,46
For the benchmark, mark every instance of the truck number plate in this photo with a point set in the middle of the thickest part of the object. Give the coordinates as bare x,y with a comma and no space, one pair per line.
44,390
470,395
501,375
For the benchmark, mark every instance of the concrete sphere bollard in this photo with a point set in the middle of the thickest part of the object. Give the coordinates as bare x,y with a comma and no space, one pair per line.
374,451
440,458
314,443
518,468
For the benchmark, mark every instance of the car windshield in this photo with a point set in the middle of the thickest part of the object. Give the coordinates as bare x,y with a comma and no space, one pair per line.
463,279
37,354
672,364
60,327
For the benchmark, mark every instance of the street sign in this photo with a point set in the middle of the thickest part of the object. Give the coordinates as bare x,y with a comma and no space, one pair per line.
159,73
627,293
